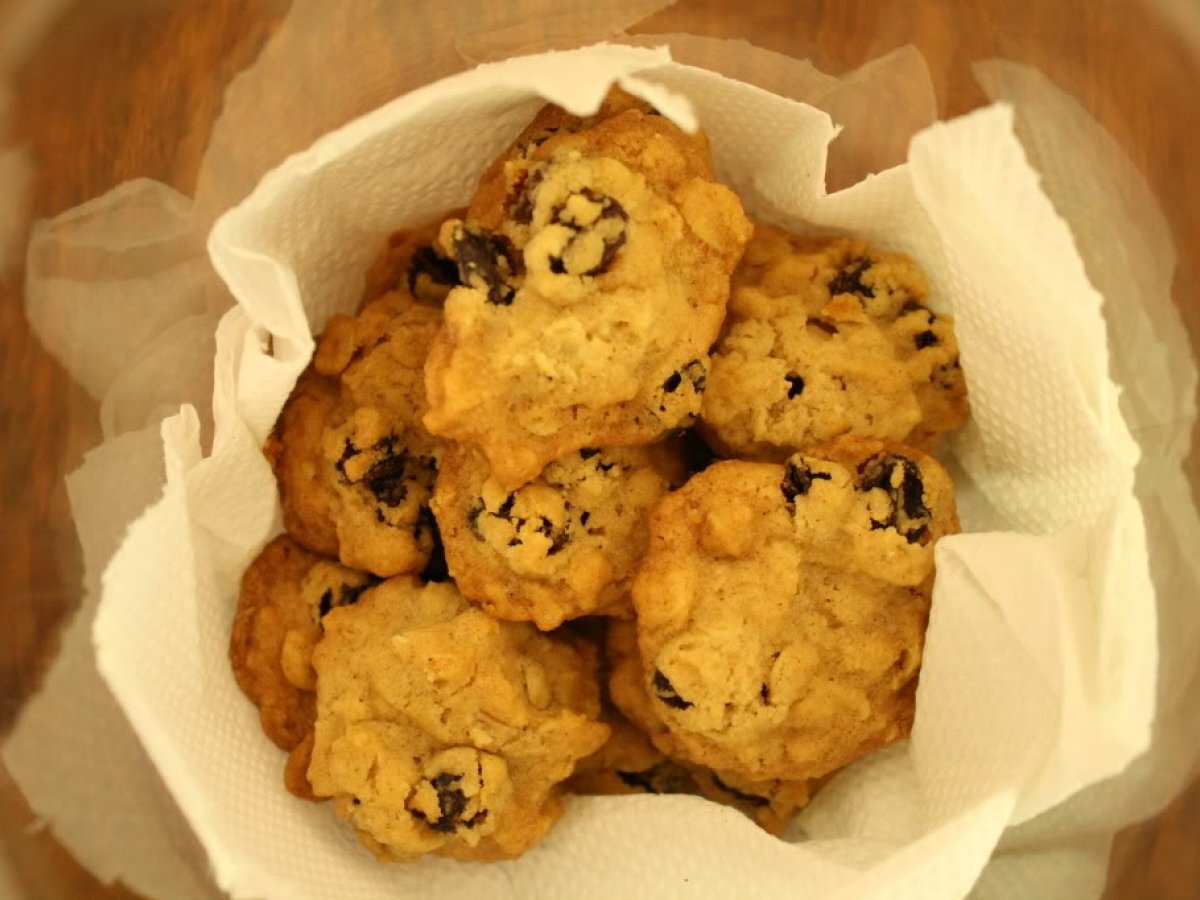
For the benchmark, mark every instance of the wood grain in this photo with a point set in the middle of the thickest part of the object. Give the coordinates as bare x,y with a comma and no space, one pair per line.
126,88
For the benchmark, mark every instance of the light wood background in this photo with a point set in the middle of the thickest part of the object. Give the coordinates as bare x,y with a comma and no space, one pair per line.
125,88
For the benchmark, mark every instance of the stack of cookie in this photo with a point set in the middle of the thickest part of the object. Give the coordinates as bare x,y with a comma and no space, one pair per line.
603,490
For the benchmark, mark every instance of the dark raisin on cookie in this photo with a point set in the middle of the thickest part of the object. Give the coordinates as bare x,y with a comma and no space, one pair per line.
428,271
387,479
926,339
588,452
823,325
520,200
558,536
666,693
392,471
452,803
605,217
487,262
795,385
694,371
347,595
900,479
849,280
798,479
522,527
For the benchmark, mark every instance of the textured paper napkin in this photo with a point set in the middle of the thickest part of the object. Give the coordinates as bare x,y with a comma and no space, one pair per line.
878,824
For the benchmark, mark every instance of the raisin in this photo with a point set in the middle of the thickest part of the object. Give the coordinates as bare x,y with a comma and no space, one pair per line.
506,508
389,474
926,339
452,803
665,691
427,263
558,536
797,479
752,799
612,243
488,261
387,478
348,595
907,498
823,325
911,306
795,386
588,452
558,543
584,517
849,280
674,380
521,198
351,592
765,693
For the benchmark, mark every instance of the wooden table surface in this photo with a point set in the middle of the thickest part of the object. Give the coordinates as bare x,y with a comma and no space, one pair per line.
124,88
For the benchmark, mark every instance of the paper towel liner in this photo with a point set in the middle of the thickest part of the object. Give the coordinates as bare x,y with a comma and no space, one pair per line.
843,796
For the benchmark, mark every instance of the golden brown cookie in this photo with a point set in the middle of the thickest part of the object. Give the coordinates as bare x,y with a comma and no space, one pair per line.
411,262
441,730
563,546
595,265
782,608
771,803
284,594
354,463
293,449
829,338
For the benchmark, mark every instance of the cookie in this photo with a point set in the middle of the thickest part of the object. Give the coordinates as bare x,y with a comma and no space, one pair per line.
355,465
595,264
562,546
441,730
628,763
294,450
411,262
284,594
829,338
646,740
782,608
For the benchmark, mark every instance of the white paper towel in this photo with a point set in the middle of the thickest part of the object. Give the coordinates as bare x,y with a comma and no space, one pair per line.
1034,684
862,822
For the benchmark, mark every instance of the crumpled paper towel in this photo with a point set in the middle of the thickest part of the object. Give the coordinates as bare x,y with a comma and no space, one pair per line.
1038,678
866,814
